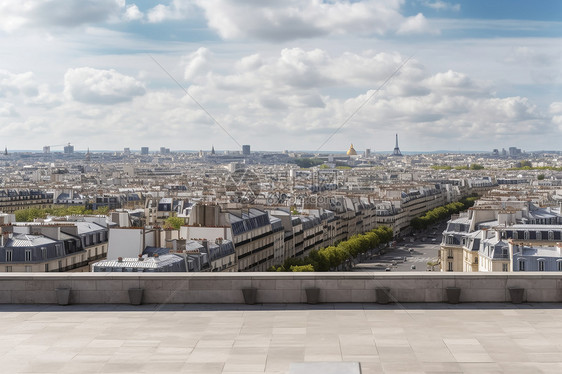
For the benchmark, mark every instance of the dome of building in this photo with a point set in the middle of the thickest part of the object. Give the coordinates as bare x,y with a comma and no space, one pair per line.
351,151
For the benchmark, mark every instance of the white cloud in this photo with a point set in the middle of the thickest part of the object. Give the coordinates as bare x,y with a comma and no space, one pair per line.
17,14
8,110
294,19
417,24
556,107
96,86
291,99
288,95
178,9
442,5
455,83
197,64
22,83
556,110
132,13
543,66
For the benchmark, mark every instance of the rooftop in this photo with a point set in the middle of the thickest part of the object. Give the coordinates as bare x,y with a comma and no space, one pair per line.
414,338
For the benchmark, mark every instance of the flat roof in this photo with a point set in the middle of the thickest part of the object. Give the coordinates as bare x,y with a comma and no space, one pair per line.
468,338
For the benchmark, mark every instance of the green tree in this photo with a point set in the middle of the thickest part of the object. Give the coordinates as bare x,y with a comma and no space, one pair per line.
302,268
174,223
29,214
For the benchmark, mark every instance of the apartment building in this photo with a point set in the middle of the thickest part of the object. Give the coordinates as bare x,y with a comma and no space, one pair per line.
503,233
51,247
12,200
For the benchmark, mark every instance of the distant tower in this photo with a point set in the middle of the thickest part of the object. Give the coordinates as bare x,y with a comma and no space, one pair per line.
396,151
88,157
213,150
68,149
144,151
6,151
246,150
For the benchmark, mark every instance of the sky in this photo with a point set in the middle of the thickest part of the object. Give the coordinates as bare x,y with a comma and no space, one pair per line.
312,75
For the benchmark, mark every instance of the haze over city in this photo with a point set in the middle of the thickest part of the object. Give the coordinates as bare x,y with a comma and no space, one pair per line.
281,75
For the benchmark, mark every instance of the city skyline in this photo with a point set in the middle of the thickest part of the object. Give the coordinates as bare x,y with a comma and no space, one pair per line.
281,76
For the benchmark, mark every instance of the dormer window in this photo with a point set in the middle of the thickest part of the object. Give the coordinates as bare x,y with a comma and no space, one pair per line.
541,264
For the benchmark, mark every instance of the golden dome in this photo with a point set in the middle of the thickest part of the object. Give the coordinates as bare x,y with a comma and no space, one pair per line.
351,151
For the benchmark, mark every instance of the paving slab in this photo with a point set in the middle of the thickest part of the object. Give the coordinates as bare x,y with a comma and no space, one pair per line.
414,338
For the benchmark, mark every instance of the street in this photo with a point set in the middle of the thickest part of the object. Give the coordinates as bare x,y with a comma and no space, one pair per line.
407,255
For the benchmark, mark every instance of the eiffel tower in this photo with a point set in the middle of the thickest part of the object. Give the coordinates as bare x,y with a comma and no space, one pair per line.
396,151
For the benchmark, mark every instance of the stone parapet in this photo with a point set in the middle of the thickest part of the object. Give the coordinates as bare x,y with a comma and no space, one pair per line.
284,288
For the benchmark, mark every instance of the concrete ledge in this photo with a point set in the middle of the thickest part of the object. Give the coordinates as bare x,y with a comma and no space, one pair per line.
226,288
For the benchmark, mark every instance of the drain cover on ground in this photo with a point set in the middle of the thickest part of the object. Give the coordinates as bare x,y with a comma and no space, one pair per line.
325,368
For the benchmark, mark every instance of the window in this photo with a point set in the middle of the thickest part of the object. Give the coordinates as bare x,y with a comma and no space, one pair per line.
521,265
551,235
450,253
9,255
476,260
43,253
505,267
559,263
450,266
8,269
46,268
541,265
539,235
28,255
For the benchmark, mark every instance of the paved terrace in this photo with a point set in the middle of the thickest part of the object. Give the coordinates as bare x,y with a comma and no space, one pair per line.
268,338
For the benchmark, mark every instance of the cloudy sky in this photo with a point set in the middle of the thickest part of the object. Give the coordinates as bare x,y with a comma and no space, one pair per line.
108,74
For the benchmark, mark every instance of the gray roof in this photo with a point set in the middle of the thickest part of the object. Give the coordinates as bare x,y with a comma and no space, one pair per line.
25,240
88,227
134,263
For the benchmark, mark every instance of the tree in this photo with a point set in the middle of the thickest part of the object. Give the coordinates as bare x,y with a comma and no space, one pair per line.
29,214
174,223
540,177
301,268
